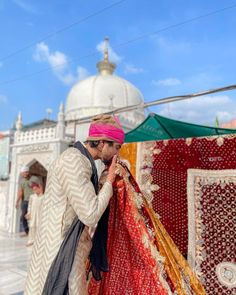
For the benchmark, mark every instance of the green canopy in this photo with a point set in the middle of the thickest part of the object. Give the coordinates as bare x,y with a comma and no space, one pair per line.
156,127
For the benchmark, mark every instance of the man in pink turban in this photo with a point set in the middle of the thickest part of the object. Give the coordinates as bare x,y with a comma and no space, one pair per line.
106,136
72,204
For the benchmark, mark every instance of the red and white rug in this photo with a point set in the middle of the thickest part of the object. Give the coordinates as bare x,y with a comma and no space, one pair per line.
212,228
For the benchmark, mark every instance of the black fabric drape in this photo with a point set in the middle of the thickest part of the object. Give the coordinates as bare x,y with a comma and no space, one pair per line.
98,253
94,178
57,278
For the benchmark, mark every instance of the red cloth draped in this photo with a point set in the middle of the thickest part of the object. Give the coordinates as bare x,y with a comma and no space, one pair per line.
170,160
132,268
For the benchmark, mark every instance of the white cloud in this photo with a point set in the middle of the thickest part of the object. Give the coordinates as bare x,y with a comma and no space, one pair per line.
59,64
202,110
56,59
166,82
113,56
25,5
131,69
3,99
70,79
82,73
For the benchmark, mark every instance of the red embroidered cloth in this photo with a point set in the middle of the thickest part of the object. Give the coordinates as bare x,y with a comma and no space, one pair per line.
132,268
168,162
141,255
212,228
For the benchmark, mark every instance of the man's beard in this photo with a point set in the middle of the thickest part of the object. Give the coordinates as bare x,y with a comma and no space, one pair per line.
107,162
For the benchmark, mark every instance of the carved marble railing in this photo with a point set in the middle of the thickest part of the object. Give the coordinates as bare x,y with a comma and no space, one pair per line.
35,135
69,137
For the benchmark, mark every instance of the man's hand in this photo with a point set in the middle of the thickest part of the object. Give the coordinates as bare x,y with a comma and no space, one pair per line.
17,204
19,197
27,216
112,170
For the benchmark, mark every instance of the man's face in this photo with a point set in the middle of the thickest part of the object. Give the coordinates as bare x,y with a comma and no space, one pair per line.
109,151
25,174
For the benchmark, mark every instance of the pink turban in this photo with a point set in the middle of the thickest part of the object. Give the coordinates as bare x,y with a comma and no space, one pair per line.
106,127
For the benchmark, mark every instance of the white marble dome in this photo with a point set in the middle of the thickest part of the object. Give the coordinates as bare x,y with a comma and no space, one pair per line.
101,92
104,92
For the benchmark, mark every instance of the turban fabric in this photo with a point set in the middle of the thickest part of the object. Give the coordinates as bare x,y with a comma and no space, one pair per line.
106,127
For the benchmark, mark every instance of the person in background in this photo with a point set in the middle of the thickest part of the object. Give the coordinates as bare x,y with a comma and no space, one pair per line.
35,202
23,195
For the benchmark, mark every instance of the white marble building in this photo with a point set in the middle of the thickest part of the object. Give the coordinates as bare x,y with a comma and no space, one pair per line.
102,93
37,145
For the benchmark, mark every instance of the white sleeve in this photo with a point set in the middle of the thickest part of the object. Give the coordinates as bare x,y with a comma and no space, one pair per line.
74,174
30,203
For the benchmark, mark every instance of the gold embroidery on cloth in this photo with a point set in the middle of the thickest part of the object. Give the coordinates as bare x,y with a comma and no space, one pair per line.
168,255
175,263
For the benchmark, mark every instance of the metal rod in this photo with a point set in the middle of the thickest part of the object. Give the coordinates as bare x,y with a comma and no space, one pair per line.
156,102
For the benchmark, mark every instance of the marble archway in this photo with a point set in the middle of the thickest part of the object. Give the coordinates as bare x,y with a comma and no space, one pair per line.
38,164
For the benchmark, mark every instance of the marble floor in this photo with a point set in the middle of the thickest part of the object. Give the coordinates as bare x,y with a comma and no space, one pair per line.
14,258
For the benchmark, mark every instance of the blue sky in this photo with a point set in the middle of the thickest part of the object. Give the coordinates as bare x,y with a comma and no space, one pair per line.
194,56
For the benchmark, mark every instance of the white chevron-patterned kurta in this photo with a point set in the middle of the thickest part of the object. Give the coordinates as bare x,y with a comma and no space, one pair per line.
69,192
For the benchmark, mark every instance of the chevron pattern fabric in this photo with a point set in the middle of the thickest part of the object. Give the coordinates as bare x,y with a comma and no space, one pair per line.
69,192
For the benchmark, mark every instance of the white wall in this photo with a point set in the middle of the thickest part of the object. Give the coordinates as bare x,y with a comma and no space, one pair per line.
3,203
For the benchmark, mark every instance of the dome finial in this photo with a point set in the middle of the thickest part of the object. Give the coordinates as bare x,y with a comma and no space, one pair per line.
106,43
105,67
